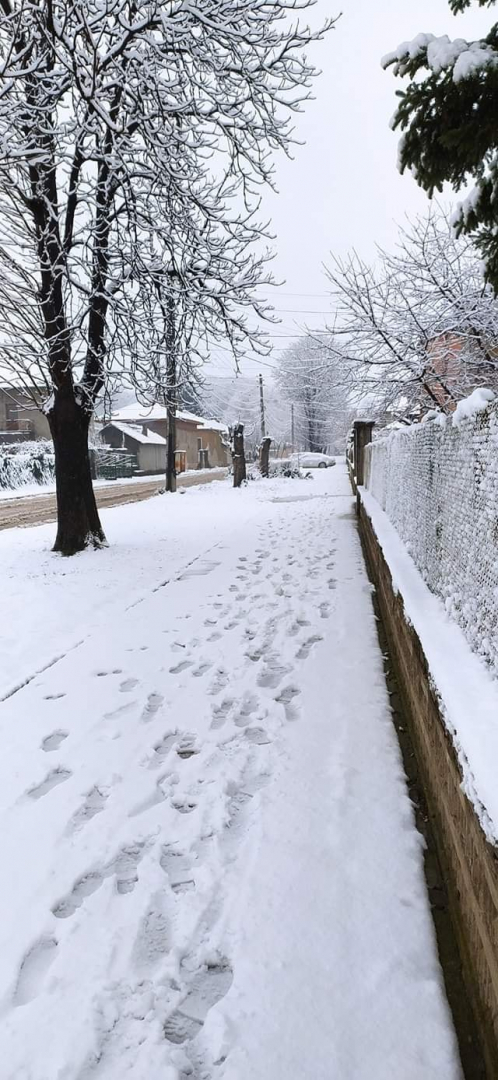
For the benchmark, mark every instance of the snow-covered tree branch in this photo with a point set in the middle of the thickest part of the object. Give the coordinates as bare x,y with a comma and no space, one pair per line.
421,325
135,138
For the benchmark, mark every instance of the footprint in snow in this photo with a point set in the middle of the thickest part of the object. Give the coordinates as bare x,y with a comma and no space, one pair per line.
127,685
154,702
33,970
53,778
83,887
123,867
121,710
94,804
183,805
152,941
178,868
249,705
219,683
161,749
53,741
239,796
307,646
187,747
206,987
201,670
182,666
53,697
286,698
220,713
272,674
257,735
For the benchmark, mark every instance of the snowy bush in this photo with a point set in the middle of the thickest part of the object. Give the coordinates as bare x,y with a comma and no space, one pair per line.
279,467
285,467
438,484
26,463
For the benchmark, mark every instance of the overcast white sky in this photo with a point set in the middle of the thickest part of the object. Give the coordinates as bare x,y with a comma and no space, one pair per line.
343,190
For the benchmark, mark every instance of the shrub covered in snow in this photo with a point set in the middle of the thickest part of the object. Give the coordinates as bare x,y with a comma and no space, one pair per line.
26,463
278,467
284,467
438,483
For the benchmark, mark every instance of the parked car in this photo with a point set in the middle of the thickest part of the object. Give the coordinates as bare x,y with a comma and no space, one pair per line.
307,460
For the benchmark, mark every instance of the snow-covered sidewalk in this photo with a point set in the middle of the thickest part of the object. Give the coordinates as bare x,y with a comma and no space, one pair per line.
210,864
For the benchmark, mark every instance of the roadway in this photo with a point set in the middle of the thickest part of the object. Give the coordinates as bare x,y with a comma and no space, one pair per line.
22,511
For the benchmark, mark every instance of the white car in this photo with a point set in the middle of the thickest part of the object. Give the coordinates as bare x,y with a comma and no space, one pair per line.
307,460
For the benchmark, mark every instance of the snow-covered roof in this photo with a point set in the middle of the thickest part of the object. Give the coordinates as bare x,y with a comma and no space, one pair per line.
149,438
137,413
212,425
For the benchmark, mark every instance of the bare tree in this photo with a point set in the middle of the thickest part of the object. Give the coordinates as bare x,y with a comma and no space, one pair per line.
310,380
421,326
111,113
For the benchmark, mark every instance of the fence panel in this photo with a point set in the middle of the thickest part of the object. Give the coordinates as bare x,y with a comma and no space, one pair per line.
438,484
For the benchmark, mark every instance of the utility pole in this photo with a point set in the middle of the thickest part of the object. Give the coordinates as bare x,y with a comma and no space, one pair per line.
262,408
292,428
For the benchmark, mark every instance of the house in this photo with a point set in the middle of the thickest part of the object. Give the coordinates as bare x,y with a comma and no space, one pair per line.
200,443
148,447
20,417
457,365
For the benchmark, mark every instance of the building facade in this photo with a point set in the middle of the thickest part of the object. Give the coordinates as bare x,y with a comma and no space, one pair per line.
20,418
200,443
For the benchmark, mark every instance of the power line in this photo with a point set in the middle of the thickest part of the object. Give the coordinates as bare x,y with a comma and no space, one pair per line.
308,295
300,311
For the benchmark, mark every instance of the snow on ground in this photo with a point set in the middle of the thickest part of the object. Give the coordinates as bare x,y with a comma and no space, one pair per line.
211,868
26,491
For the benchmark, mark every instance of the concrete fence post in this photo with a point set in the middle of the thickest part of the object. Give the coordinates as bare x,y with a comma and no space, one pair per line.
362,435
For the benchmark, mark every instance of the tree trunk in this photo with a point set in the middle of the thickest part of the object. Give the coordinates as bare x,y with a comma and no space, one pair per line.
78,523
170,450
264,457
172,392
238,455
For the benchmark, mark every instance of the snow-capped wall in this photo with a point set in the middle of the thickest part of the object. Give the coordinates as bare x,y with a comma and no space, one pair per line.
438,484
30,465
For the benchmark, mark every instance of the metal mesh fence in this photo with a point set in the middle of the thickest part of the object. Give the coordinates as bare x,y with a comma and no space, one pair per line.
438,484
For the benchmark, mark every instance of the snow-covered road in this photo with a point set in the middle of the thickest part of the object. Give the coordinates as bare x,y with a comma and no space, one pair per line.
209,862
